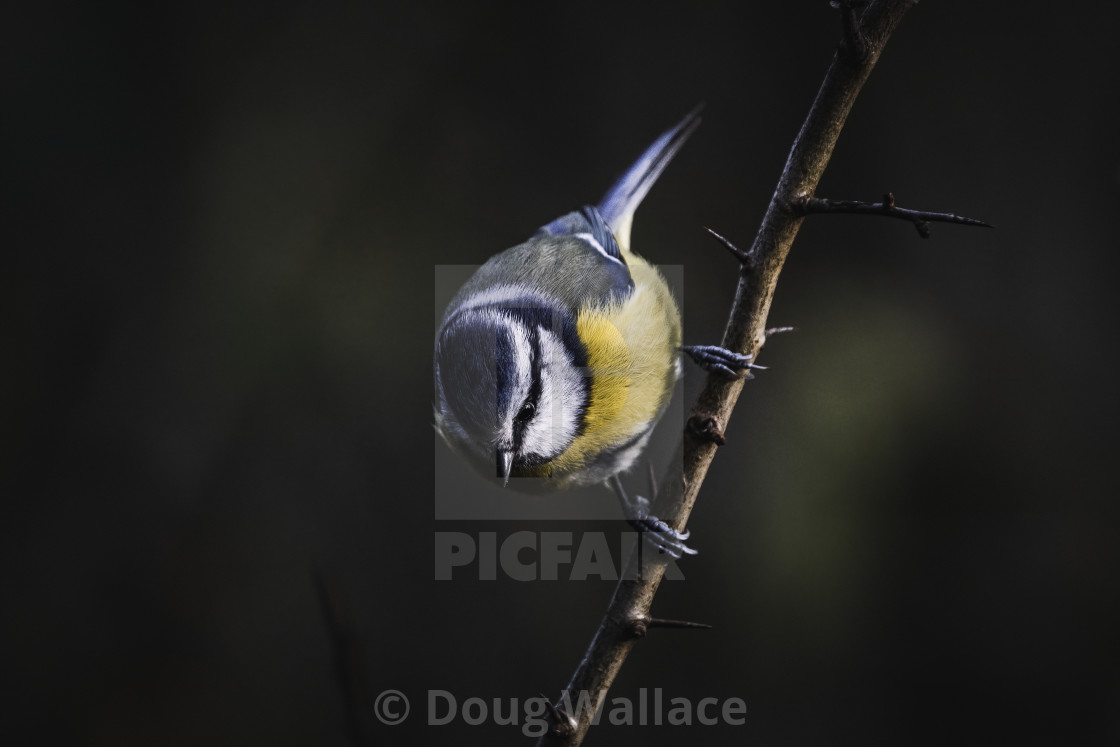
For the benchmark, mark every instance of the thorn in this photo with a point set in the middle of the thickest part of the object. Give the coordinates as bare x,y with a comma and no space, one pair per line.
562,725
657,622
923,228
777,331
744,257
652,483
888,200
639,626
707,428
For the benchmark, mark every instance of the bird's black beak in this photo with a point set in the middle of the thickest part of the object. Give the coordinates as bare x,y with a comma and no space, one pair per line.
505,464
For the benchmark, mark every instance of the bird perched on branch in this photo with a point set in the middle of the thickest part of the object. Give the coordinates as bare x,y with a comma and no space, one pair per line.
555,361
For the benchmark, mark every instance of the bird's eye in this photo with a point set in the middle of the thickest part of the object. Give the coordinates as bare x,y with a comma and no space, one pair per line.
526,412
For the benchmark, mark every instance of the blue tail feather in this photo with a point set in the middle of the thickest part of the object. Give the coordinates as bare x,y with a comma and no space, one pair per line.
621,200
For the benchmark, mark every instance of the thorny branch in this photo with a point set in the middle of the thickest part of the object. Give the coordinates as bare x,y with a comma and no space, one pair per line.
920,218
627,617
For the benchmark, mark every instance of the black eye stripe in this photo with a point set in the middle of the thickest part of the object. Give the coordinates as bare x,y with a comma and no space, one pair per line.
537,364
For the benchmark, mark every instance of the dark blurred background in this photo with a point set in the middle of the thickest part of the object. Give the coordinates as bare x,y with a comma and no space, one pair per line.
221,232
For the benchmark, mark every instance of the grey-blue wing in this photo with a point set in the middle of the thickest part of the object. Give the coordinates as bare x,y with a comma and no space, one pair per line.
574,259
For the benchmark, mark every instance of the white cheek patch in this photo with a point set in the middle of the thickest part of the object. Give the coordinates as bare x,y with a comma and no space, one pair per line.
554,424
522,376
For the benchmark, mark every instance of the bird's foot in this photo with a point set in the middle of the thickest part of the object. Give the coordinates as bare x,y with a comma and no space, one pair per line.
714,358
660,535
657,533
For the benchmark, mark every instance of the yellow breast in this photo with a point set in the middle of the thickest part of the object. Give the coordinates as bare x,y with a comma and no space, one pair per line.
632,349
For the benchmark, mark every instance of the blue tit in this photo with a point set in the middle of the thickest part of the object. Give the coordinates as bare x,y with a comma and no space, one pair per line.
559,355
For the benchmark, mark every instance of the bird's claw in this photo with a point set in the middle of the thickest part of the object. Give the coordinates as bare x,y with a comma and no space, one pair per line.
722,360
667,540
